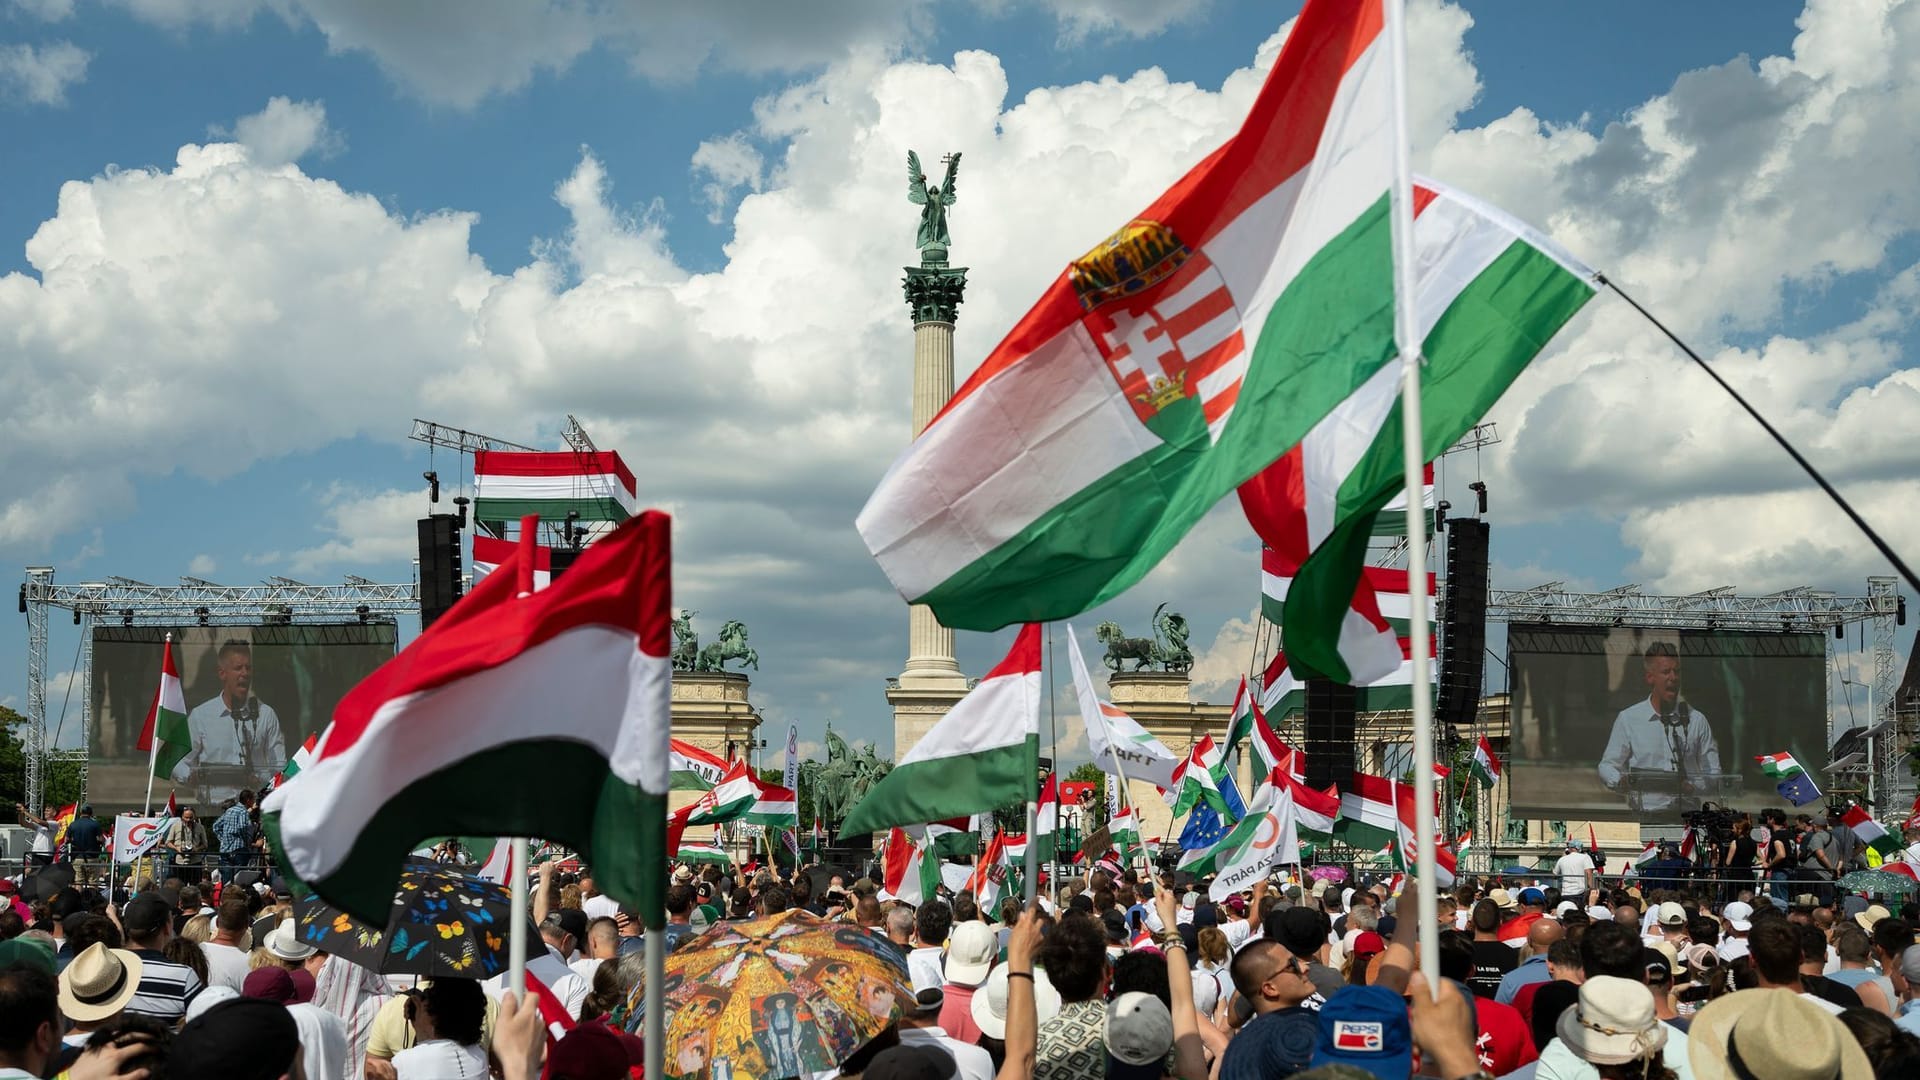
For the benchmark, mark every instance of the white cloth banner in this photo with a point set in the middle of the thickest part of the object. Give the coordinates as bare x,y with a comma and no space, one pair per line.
134,836
1116,739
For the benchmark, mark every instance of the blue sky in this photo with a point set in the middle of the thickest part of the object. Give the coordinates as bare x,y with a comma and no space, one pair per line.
1648,137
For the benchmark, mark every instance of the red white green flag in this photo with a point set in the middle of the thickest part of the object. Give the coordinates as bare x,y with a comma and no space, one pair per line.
509,484
439,740
694,769
910,873
1485,765
1247,309
490,551
1870,832
980,756
165,735
742,796
1316,812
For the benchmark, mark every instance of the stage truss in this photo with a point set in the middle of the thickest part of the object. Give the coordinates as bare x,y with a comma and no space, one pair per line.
277,601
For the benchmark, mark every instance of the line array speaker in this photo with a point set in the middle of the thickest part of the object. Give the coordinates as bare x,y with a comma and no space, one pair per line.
1464,624
1329,741
439,565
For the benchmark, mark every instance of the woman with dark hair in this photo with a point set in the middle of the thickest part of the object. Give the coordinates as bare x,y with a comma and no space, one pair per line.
447,1017
1891,1050
1737,865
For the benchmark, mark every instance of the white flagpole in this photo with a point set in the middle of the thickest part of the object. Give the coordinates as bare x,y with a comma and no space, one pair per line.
517,929
1406,338
153,745
655,1027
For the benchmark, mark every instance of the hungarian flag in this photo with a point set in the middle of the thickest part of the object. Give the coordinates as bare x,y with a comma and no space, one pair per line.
819,833
596,486
1647,854
1316,812
1118,742
1376,625
1279,690
1240,718
1388,678
989,875
703,853
742,796
1461,845
1369,818
1870,831
951,838
1686,846
1779,766
693,769
165,736
1445,866
1485,766
489,552
1124,830
979,756
1193,781
301,759
443,739
911,875
499,863
1224,324
1270,752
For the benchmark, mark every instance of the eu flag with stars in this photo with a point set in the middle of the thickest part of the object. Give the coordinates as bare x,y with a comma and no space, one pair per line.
1204,825
1799,789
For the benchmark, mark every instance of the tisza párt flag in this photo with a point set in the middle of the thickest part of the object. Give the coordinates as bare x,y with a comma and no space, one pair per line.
979,756
1263,839
693,769
489,552
1485,766
742,796
1248,309
1118,742
165,735
508,485
1779,766
1870,831
439,739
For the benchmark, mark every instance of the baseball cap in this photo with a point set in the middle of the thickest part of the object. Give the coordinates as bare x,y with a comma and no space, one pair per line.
1659,961
270,983
146,913
28,952
1672,914
912,1063
1600,912
1910,964
574,922
1738,915
593,1050
242,1039
1138,1032
971,948
1366,1027
928,1002
1563,907
1531,895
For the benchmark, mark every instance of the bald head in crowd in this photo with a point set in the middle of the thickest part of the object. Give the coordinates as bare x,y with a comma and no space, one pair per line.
1542,935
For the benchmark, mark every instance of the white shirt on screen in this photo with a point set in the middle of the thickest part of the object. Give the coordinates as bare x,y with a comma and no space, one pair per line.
1640,741
219,739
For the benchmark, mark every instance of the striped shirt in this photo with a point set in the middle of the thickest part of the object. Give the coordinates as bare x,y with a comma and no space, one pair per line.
165,987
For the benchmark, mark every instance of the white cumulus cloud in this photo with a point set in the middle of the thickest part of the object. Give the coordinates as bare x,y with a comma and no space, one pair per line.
42,74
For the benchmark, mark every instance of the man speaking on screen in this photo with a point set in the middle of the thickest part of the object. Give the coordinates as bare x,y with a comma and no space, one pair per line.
1662,735
236,737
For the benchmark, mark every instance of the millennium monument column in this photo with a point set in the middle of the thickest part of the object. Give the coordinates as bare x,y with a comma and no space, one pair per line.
931,681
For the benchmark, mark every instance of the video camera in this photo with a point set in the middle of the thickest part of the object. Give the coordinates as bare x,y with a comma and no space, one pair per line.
1714,823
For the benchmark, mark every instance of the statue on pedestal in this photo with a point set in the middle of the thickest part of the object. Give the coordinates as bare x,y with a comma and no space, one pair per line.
844,779
933,239
731,644
1167,649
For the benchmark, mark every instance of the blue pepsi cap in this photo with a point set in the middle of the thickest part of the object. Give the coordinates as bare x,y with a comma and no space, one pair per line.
1366,1027
1532,895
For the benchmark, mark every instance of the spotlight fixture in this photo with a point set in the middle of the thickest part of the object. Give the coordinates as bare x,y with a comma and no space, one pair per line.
201,613
126,616
363,611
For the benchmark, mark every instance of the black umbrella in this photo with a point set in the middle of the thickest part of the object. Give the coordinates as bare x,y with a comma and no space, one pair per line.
442,923
49,880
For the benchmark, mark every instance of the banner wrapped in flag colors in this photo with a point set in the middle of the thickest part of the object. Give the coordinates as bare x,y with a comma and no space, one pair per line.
980,756
1245,308
165,737
437,741
510,484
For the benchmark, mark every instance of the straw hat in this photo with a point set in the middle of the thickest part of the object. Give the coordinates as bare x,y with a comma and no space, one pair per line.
1790,1038
1613,1022
98,983
1503,900
285,942
1873,914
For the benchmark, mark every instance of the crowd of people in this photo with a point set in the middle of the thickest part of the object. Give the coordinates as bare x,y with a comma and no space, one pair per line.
1553,977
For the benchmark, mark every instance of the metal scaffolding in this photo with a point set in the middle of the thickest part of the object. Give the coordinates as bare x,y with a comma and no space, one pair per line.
278,601
1798,609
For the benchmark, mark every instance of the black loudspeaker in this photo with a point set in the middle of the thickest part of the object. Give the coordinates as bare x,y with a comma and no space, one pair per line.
439,565
1329,741
1464,625
560,560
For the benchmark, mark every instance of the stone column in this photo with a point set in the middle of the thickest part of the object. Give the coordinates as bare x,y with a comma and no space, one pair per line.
931,681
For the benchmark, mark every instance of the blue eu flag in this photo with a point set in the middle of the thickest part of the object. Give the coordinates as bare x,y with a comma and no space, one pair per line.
1799,789
1204,828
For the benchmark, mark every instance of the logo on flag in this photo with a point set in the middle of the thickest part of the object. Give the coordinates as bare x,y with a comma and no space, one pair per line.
1183,341
1358,1035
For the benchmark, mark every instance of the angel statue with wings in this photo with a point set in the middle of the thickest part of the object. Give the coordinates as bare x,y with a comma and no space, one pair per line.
932,200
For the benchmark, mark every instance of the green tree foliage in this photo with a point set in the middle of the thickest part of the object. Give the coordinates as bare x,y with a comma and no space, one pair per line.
63,778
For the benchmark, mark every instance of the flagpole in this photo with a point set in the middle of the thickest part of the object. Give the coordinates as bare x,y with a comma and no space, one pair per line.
517,936
1406,338
1053,742
153,742
1030,860
1126,789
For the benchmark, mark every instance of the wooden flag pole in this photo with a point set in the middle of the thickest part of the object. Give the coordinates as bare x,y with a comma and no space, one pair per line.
1406,337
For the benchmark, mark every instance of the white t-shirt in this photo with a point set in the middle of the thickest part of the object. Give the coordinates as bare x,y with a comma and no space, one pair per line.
927,966
585,968
547,966
43,839
972,1062
1572,870
600,906
226,965
441,1059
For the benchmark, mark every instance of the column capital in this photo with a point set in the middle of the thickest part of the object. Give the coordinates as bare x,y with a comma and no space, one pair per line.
934,292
